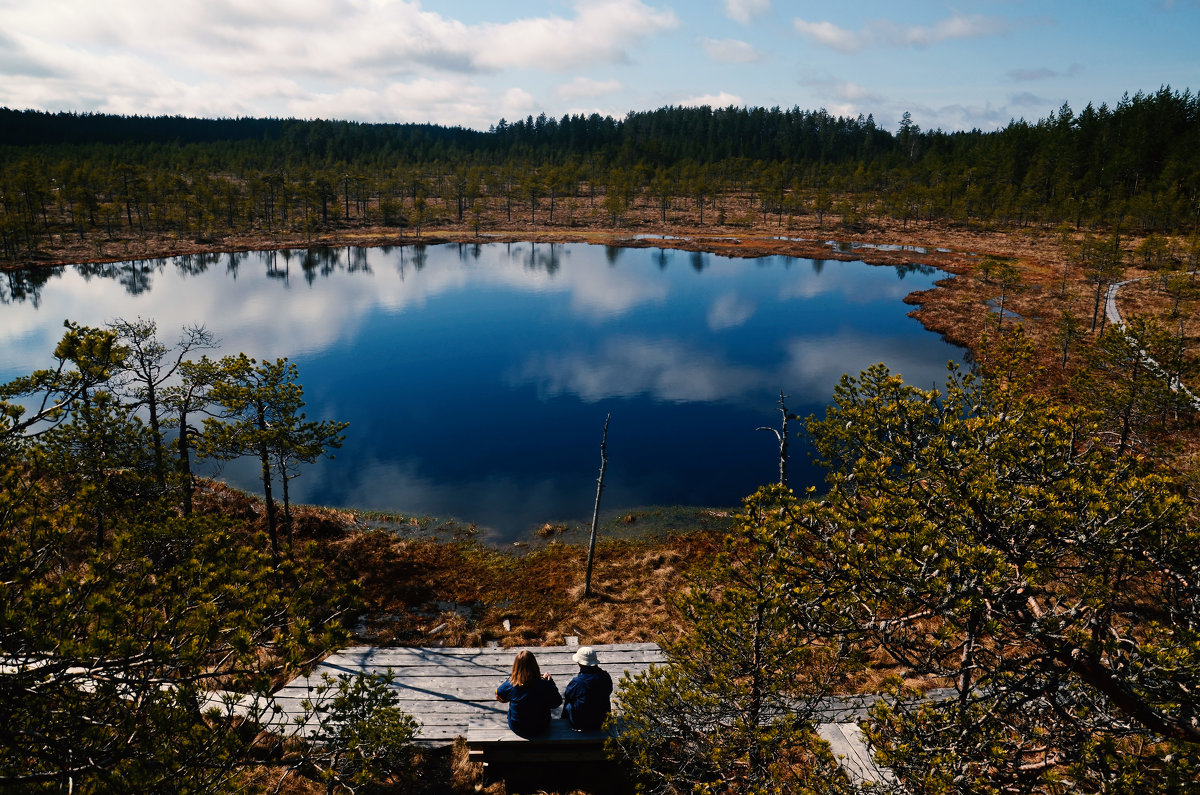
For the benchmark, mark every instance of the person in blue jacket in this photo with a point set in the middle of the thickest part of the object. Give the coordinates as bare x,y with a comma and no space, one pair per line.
530,695
586,697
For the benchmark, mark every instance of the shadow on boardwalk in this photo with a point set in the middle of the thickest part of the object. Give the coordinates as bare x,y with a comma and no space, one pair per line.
452,693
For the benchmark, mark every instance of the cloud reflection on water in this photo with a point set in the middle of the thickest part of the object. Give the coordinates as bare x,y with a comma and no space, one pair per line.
663,369
472,376
285,315
729,311
666,370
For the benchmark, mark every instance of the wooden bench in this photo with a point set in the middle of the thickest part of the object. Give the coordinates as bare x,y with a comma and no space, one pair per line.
491,742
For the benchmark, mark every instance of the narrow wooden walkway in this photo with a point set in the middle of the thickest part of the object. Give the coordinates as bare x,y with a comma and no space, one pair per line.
850,748
452,691
1114,317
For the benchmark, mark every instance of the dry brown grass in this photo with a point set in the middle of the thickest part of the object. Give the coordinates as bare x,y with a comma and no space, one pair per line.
426,592
466,775
421,591
277,778
736,229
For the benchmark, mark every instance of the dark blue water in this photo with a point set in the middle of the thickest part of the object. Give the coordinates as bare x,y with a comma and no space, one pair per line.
476,379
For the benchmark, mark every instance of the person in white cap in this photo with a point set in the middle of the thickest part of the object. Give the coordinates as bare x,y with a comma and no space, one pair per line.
585,701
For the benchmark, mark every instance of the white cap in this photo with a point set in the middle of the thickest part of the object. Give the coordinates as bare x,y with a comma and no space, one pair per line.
586,656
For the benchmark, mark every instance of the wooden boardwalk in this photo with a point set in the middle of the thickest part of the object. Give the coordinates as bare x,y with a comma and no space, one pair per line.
452,691
850,748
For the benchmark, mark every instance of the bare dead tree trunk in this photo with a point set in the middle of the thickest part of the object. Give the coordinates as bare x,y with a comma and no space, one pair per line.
782,435
287,504
185,464
587,577
1003,295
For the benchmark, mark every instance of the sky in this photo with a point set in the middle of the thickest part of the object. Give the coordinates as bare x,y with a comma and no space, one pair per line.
961,65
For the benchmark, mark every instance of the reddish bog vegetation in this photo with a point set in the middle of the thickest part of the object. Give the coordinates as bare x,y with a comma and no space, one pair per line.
426,591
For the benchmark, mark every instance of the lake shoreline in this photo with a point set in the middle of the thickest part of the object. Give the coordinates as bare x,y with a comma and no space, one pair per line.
876,242
665,369
955,308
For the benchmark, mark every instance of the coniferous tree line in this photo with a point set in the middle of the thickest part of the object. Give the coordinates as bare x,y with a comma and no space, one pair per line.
1133,166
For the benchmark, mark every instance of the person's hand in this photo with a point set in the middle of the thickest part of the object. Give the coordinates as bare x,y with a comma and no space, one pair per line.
548,677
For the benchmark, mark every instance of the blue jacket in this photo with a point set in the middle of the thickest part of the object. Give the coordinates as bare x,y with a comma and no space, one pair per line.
586,698
529,706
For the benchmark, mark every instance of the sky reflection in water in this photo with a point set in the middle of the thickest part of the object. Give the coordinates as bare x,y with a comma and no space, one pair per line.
476,379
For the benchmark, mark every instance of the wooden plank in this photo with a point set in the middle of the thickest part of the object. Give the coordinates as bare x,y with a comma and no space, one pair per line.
490,730
501,664
640,646
484,694
446,688
366,653
457,711
852,752
417,656
409,681
402,674
435,687
490,741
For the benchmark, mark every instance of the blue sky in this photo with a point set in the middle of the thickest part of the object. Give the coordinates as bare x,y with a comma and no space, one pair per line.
967,64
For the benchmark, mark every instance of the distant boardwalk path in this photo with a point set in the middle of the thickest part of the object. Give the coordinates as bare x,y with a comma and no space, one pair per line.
1114,316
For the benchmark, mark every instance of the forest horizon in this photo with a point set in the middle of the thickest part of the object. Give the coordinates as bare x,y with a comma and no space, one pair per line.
1134,166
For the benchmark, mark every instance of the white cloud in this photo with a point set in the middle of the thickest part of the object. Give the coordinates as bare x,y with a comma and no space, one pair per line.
885,33
720,100
628,367
673,372
443,101
280,320
953,27
17,60
586,88
517,101
599,33
830,87
743,10
815,365
471,63
729,311
730,51
828,34
349,58
847,98
965,117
